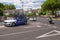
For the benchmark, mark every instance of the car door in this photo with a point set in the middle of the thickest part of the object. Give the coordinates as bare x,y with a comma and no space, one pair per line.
24,19
19,21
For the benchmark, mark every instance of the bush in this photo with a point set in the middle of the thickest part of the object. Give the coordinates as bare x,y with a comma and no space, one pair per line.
30,14
9,15
42,13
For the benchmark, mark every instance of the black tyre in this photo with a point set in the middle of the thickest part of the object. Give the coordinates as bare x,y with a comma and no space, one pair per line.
13,24
25,23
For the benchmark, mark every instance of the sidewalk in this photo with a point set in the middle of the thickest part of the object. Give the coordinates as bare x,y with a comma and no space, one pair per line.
58,19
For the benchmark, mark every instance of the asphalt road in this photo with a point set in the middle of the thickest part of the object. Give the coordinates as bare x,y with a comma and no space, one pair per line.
39,30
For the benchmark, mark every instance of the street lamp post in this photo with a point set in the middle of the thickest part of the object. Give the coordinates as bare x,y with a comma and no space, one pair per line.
22,6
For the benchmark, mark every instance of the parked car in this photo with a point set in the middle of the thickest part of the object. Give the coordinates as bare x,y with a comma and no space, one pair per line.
15,21
32,18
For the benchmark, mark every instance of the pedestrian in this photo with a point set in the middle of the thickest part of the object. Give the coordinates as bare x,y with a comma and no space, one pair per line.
50,20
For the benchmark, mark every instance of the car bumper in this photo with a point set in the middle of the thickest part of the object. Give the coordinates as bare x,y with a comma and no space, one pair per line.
32,19
7,24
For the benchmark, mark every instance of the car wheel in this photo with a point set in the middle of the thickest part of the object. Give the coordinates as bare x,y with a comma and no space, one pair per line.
13,24
25,23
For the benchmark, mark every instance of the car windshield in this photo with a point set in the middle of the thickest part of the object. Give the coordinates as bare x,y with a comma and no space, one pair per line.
20,17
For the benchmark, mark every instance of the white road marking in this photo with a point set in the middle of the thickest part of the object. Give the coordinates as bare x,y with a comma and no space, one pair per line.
19,32
3,27
33,26
39,26
48,34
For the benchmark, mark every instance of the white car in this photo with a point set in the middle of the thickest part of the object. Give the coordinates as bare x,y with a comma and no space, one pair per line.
32,19
9,22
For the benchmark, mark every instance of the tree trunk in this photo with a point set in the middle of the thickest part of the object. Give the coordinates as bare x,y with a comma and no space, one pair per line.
54,14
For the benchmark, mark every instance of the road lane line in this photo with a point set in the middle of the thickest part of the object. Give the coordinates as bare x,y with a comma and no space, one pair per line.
19,32
39,26
48,34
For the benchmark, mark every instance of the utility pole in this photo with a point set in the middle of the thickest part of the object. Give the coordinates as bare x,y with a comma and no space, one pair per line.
22,6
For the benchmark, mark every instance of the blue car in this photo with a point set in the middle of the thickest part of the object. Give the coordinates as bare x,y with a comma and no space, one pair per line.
22,20
15,21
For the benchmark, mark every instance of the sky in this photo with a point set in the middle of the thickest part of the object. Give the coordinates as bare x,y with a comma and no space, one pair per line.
27,4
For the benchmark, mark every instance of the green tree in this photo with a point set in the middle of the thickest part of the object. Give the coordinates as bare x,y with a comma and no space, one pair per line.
6,7
30,14
1,6
51,5
9,15
1,12
9,7
1,9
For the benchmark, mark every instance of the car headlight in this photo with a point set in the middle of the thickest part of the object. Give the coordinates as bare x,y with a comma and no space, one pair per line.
8,22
